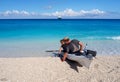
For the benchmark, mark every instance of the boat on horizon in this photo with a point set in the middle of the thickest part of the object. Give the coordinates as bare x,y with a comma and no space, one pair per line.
59,18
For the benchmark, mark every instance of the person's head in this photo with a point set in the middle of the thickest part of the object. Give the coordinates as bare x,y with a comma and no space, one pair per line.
66,40
62,42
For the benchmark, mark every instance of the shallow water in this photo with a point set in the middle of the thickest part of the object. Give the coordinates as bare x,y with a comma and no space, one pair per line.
24,38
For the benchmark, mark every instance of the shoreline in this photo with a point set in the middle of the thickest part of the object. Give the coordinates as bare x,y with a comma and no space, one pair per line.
51,69
36,48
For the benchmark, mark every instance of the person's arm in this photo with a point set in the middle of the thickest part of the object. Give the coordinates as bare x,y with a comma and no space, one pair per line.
81,46
64,57
60,49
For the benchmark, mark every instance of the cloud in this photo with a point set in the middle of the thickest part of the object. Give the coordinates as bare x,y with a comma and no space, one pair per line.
72,13
64,13
15,12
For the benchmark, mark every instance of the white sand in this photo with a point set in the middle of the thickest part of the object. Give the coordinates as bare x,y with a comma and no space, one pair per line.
51,69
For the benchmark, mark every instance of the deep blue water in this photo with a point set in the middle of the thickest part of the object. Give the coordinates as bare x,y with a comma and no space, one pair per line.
92,29
49,31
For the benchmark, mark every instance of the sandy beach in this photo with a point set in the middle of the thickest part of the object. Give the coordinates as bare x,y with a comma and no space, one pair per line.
51,69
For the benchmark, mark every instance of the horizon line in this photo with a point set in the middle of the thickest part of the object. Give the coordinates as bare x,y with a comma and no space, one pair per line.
56,18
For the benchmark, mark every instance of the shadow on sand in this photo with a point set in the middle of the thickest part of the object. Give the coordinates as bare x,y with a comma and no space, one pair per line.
73,64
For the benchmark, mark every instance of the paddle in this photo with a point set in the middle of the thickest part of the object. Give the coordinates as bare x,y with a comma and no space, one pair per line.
52,51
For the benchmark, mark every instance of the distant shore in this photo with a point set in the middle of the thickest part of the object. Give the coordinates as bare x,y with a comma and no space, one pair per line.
51,69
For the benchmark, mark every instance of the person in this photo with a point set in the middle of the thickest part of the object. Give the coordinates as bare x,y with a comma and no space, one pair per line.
71,47
62,46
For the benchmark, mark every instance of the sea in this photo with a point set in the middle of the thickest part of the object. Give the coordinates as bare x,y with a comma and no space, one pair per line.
32,37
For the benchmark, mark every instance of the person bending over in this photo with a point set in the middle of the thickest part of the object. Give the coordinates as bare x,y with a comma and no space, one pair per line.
71,47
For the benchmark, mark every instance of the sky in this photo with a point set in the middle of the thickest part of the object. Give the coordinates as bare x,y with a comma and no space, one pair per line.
45,9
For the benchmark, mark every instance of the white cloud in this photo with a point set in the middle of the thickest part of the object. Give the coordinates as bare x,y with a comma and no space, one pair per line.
64,13
6,13
24,13
15,12
71,12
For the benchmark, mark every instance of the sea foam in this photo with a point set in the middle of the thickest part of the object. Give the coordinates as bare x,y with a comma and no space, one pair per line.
114,38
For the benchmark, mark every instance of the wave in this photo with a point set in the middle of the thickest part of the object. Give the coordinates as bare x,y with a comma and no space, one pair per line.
114,38
98,37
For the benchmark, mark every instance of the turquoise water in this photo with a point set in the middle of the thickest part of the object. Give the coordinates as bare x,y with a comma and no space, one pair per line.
31,37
